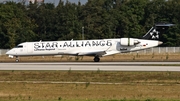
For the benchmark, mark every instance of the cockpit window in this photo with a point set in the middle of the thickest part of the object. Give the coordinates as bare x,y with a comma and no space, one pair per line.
19,46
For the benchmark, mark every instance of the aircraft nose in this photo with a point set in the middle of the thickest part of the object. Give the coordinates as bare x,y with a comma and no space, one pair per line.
8,52
159,42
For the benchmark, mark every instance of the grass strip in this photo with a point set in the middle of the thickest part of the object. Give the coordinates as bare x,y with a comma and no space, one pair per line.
90,86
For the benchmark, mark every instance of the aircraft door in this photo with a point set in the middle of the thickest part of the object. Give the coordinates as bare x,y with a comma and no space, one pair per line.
30,47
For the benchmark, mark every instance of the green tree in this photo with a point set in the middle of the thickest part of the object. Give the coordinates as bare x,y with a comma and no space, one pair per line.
44,17
67,18
98,19
170,13
16,26
131,18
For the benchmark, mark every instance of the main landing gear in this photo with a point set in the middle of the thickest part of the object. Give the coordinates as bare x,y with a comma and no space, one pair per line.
96,59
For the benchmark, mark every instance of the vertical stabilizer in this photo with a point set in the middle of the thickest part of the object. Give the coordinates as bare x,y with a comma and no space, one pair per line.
156,31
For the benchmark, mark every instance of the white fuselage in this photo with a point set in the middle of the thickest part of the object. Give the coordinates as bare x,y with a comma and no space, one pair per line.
101,47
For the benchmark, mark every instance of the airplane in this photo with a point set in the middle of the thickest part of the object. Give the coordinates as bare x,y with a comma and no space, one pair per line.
96,48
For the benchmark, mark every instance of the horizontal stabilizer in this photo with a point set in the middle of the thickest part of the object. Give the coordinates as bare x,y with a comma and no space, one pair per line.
164,25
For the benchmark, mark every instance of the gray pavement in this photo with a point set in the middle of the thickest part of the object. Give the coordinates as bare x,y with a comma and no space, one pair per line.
92,66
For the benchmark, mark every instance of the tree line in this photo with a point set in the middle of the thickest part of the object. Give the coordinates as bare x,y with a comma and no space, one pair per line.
97,19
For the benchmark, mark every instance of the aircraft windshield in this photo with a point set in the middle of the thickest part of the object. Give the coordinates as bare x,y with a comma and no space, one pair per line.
19,46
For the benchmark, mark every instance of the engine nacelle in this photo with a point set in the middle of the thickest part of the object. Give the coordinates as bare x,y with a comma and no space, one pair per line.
128,42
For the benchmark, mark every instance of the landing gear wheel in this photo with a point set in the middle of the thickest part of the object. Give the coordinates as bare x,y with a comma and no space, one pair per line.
17,59
96,59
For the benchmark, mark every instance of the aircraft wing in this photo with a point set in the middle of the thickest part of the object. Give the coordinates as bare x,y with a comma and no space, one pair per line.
95,53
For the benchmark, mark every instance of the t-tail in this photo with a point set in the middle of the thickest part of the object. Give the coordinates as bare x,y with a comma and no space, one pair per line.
156,31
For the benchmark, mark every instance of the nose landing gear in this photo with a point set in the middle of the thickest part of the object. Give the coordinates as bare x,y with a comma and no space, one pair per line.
17,59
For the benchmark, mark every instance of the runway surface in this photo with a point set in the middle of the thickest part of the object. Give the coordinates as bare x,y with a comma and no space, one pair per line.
92,66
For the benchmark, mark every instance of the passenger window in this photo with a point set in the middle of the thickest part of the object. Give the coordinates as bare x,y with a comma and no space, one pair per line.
19,46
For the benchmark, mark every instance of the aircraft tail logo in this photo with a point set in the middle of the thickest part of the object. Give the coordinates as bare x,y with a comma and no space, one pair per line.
154,34
156,31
